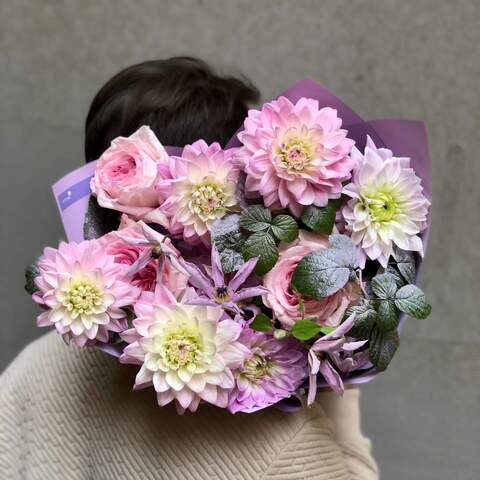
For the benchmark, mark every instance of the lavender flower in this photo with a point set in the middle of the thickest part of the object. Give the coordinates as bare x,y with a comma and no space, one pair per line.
213,287
329,349
274,371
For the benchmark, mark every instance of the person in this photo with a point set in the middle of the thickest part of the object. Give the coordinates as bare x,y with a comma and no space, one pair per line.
69,413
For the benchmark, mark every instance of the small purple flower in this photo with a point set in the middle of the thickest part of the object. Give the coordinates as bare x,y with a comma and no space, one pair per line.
213,287
331,348
274,371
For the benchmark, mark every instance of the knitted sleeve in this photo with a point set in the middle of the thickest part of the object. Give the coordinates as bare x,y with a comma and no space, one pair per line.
71,414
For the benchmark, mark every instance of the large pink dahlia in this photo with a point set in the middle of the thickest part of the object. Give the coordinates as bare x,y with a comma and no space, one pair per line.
83,291
202,189
295,155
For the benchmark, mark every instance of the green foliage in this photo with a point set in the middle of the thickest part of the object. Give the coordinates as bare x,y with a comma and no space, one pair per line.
321,219
256,218
98,221
305,329
323,272
411,300
228,240
405,264
285,228
382,347
31,272
261,245
261,323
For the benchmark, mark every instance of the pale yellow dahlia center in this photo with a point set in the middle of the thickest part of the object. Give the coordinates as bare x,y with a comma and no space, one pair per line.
382,206
208,199
256,368
296,154
82,297
182,348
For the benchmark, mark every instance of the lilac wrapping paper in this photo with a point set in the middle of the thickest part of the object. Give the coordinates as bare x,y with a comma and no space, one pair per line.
406,138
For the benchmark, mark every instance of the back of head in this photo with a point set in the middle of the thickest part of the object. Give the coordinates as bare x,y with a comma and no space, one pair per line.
182,100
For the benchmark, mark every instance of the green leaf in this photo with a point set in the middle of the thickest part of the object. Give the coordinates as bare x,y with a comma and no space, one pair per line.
388,315
261,245
305,329
321,219
285,228
256,219
365,317
31,272
411,300
405,264
226,233
98,221
261,323
384,286
323,272
399,280
382,347
326,329
231,260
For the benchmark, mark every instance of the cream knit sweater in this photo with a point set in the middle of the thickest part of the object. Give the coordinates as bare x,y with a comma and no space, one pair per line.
71,414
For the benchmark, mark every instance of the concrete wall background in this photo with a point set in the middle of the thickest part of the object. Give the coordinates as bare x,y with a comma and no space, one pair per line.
413,59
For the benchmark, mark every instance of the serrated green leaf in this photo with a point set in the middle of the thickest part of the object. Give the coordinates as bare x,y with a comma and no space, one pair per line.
384,286
261,323
342,242
365,317
411,300
405,264
399,280
230,260
305,329
31,272
261,245
323,272
388,315
226,233
382,347
285,228
98,221
256,218
321,219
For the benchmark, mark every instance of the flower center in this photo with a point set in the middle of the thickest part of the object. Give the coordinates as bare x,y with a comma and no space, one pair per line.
182,348
221,294
256,368
82,296
296,154
382,207
208,200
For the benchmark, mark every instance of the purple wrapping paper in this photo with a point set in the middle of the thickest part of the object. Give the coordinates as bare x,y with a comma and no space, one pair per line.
406,138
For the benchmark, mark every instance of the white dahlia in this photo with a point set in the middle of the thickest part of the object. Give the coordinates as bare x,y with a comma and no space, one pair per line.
186,352
387,206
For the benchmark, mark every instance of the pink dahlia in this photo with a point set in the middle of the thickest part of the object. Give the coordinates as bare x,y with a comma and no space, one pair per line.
83,291
274,371
201,190
186,352
295,155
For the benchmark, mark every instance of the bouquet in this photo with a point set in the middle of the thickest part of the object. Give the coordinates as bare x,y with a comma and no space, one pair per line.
251,275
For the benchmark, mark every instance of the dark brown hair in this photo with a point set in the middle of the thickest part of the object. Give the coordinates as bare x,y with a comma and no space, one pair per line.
182,99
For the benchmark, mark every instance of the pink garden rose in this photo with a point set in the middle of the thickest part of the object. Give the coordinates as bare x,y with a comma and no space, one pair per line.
295,154
284,301
128,253
126,175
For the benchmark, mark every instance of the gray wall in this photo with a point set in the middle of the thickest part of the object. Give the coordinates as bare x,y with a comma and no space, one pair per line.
412,59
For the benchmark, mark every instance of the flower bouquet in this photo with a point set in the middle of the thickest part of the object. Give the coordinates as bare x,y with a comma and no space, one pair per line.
251,275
